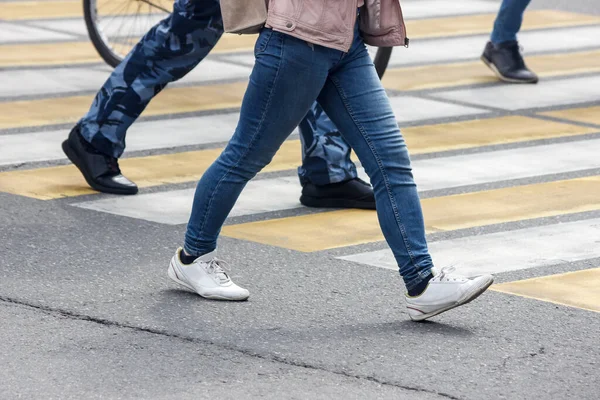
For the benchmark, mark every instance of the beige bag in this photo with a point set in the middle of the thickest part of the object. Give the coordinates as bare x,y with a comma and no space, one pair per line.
244,16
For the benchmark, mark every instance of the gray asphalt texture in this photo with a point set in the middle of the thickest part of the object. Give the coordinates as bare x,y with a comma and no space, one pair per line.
87,312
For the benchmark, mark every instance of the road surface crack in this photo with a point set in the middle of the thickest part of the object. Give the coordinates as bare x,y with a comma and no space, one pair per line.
246,352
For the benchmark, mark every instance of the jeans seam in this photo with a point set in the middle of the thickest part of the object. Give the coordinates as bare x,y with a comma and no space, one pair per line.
381,169
252,141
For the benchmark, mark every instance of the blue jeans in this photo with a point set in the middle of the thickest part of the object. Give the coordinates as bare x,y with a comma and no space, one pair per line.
347,87
508,21
166,54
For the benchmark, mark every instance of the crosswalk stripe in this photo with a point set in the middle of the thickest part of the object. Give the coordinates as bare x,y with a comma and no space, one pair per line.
353,227
69,53
516,97
47,82
446,75
268,195
513,250
70,109
476,24
30,113
66,181
174,207
42,146
454,49
10,33
590,115
575,289
24,10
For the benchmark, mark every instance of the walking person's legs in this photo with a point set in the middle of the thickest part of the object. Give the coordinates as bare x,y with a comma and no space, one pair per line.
165,54
502,53
354,96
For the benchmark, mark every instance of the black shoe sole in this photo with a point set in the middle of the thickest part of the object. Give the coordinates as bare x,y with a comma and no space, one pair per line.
318,202
492,67
72,155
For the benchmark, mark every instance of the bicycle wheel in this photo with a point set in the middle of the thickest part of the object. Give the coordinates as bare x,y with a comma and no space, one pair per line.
381,60
115,26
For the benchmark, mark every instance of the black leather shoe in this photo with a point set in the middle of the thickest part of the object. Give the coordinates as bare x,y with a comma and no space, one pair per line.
506,61
100,171
354,193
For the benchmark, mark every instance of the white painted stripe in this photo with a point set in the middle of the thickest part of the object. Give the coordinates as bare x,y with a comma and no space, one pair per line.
43,82
174,207
505,251
282,193
478,168
40,146
134,27
412,9
544,94
11,33
412,109
470,47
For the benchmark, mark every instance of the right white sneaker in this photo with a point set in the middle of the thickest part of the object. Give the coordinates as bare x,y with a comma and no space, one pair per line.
207,277
444,292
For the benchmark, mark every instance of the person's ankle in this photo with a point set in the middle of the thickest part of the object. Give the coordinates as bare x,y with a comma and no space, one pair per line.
419,288
185,258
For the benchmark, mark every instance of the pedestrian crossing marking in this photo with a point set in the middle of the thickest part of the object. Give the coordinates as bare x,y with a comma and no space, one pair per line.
69,53
533,247
468,134
276,194
44,54
352,227
590,115
574,289
24,10
468,73
66,181
71,109
483,23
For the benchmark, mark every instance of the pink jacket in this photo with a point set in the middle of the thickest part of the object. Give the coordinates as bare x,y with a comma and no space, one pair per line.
330,23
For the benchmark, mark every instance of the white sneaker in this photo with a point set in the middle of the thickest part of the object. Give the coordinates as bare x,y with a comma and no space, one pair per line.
444,292
206,277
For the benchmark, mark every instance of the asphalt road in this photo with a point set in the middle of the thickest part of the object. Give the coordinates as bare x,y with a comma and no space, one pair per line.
509,178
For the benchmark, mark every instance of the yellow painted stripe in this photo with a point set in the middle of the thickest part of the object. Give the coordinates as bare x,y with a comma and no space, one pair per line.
468,73
476,133
46,54
55,182
66,181
478,24
23,10
70,109
591,115
575,289
353,227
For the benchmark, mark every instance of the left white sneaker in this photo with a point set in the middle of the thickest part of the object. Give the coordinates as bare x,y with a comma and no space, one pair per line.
206,277
445,292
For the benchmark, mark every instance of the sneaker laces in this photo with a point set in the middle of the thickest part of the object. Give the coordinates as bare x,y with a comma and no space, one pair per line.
445,275
217,268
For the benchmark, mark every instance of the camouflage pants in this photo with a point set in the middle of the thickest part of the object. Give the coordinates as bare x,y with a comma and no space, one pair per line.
168,52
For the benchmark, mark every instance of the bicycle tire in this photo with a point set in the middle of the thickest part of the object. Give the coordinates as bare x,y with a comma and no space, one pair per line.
382,59
107,54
